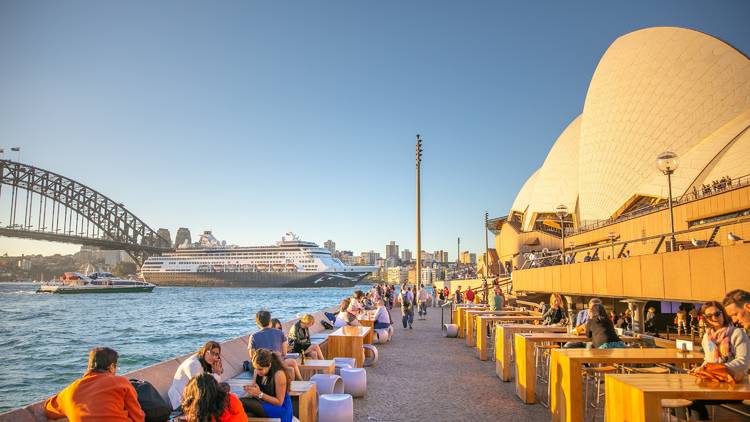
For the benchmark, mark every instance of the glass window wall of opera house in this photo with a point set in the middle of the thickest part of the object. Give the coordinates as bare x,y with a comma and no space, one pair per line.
667,114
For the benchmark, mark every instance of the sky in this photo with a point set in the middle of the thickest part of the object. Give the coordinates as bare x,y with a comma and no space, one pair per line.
254,118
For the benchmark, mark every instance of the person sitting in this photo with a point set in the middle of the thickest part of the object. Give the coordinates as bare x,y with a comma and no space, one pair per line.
344,318
275,323
737,305
600,330
580,324
272,339
99,395
724,344
382,316
299,338
205,400
206,360
556,314
269,394
355,304
497,303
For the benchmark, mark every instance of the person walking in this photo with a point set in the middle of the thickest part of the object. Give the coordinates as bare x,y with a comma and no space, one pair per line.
407,307
485,292
422,297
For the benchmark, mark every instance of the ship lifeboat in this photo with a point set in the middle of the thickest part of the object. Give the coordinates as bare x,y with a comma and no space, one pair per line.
291,267
203,268
262,267
232,268
217,268
277,267
71,277
246,268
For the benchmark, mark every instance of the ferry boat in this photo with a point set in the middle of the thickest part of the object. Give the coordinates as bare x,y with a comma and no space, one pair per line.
290,263
100,282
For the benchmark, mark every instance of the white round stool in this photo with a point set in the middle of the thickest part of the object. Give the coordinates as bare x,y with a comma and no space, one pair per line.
371,355
391,330
355,381
343,362
328,384
336,408
450,330
381,336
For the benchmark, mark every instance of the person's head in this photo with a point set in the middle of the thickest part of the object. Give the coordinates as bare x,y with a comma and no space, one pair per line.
344,305
715,315
263,318
593,301
307,320
737,306
652,309
358,294
379,303
202,399
275,323
210,352
598,313
267,363
103,359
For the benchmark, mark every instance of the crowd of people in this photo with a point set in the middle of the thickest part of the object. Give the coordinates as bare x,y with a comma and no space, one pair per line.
715,186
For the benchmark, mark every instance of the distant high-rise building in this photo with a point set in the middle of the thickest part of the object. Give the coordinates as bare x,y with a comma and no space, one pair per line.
397,275
345,256
370,257
330,245
440,256
391,250
182,238
427,258
406,256
392,262
165,234
468,258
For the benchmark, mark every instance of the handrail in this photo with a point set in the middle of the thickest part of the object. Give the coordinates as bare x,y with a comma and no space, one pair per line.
558,253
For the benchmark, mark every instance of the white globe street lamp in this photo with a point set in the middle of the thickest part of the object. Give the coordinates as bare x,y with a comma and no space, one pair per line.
562,212
667,162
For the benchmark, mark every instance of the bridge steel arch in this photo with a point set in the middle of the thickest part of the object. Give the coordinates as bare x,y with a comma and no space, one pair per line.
108,224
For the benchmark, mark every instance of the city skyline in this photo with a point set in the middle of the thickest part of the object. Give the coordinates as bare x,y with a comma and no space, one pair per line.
302,117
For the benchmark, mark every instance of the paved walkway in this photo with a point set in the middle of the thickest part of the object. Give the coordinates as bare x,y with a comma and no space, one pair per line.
423,376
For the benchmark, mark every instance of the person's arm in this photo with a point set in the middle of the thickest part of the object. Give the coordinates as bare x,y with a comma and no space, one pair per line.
738,365
132,407
278,398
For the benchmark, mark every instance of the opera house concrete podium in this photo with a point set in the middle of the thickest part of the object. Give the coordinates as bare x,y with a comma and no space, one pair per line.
600,192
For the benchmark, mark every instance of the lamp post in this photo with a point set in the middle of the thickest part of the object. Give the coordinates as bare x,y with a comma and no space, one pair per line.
486,246
612,236
667,163
562,212
419,227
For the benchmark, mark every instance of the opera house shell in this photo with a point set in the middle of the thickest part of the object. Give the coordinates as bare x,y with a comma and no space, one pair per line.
654,90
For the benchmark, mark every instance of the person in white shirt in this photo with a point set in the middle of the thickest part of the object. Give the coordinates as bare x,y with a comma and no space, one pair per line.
344,317
382,316
207,360
422,297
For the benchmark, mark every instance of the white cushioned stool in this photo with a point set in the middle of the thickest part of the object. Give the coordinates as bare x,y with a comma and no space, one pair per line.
328,384
344,363
336,408
355,381
390,332
371,355
381,336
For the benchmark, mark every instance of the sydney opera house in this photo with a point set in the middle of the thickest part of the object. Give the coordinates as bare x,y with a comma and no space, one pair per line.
602,196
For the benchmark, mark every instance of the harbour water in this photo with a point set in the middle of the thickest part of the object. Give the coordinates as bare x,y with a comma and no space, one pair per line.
45,338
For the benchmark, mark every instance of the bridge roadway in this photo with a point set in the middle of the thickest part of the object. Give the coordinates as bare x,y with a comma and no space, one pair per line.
423,376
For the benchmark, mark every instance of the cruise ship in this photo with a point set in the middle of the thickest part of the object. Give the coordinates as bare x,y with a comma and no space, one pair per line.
290,263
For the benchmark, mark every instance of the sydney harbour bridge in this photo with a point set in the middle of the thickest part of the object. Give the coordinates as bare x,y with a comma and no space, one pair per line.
42,205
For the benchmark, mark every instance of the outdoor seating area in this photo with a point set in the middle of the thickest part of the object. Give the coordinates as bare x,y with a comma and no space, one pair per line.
551,366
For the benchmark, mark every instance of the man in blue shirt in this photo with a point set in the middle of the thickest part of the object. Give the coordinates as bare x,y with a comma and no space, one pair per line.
272,339
581,320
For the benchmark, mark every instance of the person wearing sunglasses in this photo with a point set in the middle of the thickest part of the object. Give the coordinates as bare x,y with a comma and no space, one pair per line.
207,360
725,344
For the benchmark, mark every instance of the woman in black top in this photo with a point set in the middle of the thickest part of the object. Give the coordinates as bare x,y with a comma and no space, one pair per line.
600,329
270,389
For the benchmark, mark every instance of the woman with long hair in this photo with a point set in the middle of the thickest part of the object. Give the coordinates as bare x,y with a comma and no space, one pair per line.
556,314
207,360
724,344
206,401
269,393
600,329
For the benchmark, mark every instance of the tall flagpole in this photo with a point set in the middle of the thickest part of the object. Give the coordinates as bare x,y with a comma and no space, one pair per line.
419,223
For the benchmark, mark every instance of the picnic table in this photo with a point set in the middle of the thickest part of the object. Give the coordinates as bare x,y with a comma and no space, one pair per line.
504,343
482,320
367,319
637,397
348,342
316,366
459,315
566,400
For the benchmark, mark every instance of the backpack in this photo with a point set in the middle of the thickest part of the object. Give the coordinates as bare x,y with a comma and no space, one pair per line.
405,300
155,408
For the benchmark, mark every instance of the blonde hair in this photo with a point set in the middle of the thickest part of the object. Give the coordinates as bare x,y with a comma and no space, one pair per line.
307,319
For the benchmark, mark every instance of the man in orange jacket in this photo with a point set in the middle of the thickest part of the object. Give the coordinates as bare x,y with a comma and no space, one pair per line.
99,396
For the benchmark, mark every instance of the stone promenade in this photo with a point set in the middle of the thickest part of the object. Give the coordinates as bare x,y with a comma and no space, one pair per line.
423,376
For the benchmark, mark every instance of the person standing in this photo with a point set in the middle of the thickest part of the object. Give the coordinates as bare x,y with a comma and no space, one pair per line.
485,291
407,307
457,296
469,295
422,298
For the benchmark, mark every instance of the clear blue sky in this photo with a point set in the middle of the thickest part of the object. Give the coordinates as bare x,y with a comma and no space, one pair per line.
252,118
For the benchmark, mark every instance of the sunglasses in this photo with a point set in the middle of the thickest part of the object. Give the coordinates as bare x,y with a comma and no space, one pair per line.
714,315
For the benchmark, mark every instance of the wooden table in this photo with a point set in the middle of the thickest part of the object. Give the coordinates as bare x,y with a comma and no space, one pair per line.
365,321
482,321
314,366
347,342
504,344
459,315
637,397
566,401
470,316
304,400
